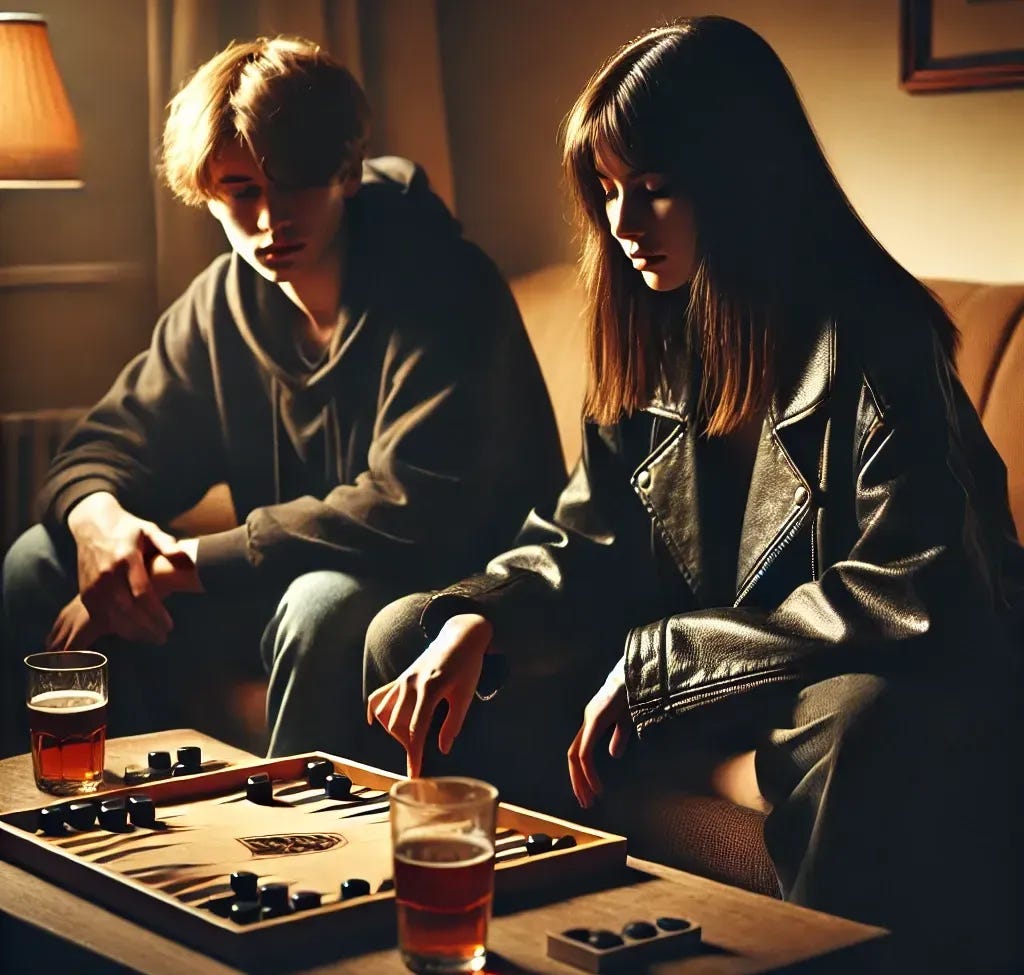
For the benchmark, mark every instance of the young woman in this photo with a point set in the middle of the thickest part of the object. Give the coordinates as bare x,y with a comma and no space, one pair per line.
787,542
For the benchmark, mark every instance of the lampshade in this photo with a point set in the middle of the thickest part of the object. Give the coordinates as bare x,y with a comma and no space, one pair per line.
39,143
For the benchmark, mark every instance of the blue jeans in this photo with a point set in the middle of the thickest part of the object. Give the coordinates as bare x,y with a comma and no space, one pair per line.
312,649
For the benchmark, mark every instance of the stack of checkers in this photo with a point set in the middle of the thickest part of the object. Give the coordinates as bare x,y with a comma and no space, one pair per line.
189,760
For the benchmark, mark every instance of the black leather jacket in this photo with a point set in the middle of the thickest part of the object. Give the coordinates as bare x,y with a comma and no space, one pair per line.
877,528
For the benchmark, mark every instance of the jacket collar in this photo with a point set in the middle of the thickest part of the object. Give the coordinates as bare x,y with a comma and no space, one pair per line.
810,377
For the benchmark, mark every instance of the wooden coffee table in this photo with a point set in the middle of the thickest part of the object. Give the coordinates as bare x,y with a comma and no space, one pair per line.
750,933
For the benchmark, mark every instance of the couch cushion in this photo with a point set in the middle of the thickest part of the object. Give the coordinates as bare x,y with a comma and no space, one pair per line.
551,303
991,363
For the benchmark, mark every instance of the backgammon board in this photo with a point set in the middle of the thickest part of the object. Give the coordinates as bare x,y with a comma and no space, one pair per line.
174,874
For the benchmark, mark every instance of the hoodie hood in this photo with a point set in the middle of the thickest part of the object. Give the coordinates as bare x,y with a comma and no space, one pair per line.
391,224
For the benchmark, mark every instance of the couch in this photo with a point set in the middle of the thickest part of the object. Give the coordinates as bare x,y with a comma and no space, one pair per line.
713,835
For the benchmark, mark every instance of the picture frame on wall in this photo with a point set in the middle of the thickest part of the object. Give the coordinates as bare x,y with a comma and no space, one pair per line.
961,45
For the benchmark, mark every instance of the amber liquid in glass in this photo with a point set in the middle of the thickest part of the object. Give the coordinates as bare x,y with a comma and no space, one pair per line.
444,887
69,731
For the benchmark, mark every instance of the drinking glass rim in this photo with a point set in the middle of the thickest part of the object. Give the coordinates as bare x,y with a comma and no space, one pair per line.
99,660
490,792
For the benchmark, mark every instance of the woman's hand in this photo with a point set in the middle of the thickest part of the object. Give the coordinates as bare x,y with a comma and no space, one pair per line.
448,670
74,628
607,709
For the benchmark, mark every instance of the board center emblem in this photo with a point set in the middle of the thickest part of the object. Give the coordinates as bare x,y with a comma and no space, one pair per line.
291,844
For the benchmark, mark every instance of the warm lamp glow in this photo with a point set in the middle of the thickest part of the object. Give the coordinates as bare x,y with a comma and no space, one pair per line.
39,143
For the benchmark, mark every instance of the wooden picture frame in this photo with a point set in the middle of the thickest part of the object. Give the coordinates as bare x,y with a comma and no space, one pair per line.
922,72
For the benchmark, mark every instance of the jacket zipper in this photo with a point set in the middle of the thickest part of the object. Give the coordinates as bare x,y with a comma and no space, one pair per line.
788,534
814,547
699,698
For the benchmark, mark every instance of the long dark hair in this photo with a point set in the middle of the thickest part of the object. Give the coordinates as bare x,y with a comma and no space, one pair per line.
706,101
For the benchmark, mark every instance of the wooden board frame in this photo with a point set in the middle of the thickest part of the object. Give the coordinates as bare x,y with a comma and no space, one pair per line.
331,931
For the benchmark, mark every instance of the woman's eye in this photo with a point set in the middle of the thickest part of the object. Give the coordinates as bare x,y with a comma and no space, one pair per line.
608,192
250,192
659,190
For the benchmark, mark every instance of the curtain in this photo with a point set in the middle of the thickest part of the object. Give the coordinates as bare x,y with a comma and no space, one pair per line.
391,46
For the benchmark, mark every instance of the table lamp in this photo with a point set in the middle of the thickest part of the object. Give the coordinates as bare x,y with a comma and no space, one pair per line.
39,143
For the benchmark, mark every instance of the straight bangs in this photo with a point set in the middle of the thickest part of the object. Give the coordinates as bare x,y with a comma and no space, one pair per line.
609,129
621,112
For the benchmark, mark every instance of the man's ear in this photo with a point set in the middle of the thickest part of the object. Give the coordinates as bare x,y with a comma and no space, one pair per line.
352,178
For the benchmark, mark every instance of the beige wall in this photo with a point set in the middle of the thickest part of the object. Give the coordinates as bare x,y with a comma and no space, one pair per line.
939,178
61,344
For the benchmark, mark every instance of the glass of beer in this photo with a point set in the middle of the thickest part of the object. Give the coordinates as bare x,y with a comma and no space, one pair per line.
67,719
442,832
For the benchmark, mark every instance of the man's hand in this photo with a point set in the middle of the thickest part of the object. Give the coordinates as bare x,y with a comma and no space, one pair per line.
448,670
73,629
179,575
114,549
607,709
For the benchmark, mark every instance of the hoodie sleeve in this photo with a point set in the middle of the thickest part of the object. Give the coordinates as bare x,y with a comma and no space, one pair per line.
152,440
460,409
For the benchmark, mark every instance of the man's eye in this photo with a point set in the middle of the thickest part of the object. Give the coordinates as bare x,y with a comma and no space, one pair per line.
250,192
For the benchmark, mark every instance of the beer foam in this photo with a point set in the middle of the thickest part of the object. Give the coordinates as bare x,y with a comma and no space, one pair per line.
412,849
67,701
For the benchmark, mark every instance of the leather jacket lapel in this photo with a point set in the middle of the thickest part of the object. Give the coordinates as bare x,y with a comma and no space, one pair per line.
784,487
666,484
778,494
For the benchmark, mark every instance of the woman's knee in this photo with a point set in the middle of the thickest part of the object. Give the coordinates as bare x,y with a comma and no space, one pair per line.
852,700
394,639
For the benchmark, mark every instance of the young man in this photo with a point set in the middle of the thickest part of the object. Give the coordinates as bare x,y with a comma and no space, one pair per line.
354,370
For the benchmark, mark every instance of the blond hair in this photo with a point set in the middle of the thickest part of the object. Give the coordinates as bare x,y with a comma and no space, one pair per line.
303,116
